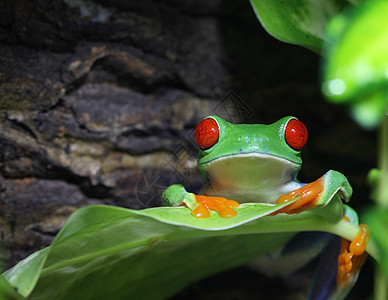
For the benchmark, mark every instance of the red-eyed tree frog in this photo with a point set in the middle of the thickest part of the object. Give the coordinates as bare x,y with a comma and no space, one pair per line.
259,163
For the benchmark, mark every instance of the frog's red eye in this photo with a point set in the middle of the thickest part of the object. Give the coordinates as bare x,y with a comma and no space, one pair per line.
206,133
296,134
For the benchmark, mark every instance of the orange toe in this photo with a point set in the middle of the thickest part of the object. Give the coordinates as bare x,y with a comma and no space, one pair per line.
224,207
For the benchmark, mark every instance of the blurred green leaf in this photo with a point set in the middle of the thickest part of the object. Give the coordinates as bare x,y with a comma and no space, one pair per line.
106,252
356,66
27,273
377,220
299,22
7,292
373,180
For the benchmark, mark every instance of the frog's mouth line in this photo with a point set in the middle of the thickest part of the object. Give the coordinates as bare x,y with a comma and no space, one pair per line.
252,155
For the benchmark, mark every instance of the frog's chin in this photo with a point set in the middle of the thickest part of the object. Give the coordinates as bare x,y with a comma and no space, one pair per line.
250,177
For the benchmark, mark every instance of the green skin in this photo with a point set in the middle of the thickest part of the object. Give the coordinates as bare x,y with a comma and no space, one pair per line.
253,163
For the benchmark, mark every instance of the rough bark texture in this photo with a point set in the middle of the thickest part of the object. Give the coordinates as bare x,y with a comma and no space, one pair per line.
98,100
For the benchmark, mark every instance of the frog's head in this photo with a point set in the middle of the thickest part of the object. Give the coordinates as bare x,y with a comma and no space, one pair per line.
251,149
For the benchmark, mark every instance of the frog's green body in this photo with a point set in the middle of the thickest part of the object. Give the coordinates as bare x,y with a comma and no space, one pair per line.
250,163
254,163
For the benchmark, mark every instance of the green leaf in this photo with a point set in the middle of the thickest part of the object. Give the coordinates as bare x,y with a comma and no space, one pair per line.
151,272
356,66
299,22
7,292
377,220
26,273
110,252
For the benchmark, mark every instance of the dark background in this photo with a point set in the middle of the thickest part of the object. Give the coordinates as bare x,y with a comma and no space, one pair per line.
99,100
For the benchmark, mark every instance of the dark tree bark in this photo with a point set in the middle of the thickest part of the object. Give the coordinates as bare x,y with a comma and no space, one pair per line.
98,100
91,95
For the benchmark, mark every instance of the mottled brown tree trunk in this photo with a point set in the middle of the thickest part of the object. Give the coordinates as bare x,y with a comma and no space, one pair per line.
98,100
91,95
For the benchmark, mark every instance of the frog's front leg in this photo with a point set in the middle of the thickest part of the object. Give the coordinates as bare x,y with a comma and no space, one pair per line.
176,195
317,193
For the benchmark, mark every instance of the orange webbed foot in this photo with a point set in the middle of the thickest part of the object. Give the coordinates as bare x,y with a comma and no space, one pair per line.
224,207
306,197
352,255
